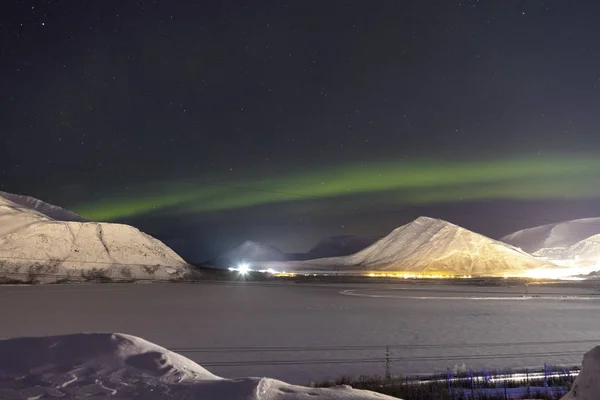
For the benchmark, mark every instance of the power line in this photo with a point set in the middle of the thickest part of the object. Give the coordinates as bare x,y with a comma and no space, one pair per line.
372,347
392,359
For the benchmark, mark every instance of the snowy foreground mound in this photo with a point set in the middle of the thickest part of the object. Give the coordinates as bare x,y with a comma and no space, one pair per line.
587,383
431,246
45,242
107,365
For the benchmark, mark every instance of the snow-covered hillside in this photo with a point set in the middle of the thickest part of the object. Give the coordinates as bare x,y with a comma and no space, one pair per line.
338,246
586,252
249,252
559,235
33,244
107,365
433,246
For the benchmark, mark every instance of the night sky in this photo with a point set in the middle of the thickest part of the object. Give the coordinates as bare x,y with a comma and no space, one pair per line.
206,123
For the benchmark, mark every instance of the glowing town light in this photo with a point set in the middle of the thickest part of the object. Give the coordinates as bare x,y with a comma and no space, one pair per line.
243,268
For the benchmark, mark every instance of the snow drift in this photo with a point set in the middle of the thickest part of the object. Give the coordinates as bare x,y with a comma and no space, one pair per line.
45,242
250,253
587,383
429,246
122,366
560,235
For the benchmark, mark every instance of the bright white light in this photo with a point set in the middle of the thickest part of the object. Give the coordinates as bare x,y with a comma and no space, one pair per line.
271,271
243,268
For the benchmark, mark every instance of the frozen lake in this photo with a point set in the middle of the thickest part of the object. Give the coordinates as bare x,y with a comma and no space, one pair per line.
302,332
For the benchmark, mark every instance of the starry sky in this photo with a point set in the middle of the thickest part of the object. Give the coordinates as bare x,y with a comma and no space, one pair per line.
206,123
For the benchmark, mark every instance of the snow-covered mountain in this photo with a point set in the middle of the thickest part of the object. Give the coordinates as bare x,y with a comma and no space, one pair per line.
105,365
338,246
584,252
433,246
49,210
559,235
35,244
249,252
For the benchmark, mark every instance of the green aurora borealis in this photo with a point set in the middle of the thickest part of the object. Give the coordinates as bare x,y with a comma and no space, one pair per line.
396,183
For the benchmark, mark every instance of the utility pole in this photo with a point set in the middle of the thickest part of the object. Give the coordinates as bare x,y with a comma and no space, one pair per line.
388,373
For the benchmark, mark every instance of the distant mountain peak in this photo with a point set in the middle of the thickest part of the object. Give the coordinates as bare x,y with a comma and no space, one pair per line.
561,234
434,246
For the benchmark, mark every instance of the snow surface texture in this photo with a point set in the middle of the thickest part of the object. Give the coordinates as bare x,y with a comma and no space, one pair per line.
560,235
587,383
102,365
431,246
33,244
249,252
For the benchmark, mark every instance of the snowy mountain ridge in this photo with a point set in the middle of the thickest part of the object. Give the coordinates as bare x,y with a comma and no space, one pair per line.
49,210
434,246
586,251
562,234
32,243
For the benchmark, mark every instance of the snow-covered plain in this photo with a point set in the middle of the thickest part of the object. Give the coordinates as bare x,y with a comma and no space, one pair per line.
104,365
238,330
429,246
49,243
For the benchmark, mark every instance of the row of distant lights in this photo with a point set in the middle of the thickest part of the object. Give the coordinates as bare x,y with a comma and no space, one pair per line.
244,269
416,276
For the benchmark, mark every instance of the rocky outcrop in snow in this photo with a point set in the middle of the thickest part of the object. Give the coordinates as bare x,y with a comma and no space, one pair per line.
127,367
35,245
433,246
